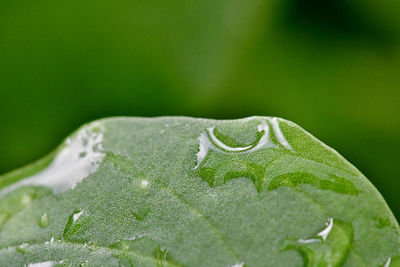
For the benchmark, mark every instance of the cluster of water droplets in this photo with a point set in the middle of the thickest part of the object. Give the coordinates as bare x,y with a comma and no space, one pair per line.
83,153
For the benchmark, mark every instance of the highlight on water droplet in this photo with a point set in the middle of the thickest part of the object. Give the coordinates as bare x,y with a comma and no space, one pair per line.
387,262
26,199
278,133
76,215
44,220
144,183
321,235
51,241
324,233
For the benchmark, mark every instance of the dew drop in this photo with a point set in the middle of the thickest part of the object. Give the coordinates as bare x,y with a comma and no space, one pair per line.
144,183
44,220
26,199
76,220
329,247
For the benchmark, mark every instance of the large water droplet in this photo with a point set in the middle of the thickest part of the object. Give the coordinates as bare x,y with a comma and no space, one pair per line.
329,247
248,161
80,157
209,141
75,222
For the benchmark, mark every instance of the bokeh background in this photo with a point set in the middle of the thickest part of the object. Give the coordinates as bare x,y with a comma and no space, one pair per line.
331,66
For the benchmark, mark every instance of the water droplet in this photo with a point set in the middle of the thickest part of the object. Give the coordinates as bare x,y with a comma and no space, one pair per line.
329,247
75,222
27,199
80,157
140,214
381,222
44,220
243,160
144,183
209,141
22,248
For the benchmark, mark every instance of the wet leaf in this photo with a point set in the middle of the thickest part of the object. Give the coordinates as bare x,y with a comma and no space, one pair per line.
178,191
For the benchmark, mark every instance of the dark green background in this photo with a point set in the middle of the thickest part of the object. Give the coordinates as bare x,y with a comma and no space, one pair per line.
331,66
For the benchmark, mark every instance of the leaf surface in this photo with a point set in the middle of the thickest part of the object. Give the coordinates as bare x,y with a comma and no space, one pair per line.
178,191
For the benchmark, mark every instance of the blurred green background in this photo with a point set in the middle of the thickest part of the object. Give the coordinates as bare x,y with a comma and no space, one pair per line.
333,67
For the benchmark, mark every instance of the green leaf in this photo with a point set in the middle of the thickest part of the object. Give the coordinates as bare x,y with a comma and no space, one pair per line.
178,191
